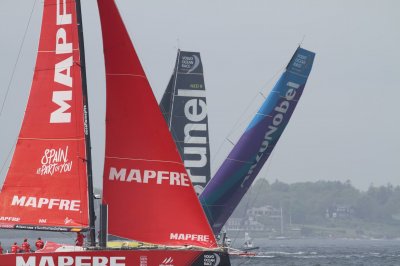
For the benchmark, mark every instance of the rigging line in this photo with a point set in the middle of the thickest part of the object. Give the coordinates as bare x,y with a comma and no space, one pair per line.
142,159
258,192
265,85
18,58
174,89
230,141
7,157
302,40
242,115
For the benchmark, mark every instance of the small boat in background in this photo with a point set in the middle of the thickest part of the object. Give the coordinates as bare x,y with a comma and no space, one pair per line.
248,243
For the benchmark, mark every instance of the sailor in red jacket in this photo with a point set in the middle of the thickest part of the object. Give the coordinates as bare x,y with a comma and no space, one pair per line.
1,249
39,243
15,248
79,239
26,247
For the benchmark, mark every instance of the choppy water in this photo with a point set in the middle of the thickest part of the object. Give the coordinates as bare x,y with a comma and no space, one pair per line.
321,252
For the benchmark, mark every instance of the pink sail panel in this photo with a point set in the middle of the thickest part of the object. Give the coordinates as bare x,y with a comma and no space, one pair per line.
148,192
46,185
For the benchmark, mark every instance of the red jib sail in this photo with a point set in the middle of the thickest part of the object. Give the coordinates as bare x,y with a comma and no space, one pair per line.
146,187
46,185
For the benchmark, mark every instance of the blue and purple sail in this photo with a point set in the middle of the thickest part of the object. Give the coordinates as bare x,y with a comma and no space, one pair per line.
232,180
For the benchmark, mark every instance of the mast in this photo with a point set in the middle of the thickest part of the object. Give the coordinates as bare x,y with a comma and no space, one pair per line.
167,99
92,215
173,91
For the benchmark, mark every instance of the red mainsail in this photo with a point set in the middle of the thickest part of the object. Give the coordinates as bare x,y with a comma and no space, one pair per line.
46,187
149,194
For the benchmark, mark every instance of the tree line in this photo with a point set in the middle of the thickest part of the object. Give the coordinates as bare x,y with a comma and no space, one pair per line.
307,202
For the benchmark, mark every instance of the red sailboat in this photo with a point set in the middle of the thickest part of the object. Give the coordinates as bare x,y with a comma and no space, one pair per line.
149,195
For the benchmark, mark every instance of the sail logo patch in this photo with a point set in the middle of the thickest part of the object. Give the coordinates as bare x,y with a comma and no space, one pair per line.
46,203
192,237
9,219
62,69
277,119
68,220
55,161
167,262
195,135
149,177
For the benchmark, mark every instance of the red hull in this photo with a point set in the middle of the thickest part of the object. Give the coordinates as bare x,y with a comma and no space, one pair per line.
118,258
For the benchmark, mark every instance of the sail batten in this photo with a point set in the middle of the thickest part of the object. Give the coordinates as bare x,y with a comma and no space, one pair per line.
236,174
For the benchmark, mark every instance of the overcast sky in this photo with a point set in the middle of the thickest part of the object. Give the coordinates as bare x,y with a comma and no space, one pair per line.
346,125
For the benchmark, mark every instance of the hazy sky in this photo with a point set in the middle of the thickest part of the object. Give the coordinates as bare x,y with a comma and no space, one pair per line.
346,125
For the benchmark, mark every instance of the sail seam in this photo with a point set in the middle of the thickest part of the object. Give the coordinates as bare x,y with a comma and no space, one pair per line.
263,114
133,75
53,51
240,161
50,139
184,73
297,74
133,159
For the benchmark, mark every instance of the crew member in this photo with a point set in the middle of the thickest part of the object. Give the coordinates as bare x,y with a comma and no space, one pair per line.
26,247
15,248
1,249
39,243
79,239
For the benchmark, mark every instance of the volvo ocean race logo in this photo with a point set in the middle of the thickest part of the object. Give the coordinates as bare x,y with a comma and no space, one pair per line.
55,161
189,63
211,259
